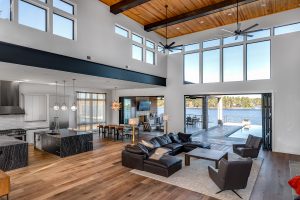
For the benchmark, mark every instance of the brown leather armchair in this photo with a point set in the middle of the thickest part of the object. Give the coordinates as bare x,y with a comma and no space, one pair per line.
232,175
250,149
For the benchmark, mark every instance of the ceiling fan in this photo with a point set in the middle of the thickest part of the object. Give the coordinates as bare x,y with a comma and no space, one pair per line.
238,32
169,47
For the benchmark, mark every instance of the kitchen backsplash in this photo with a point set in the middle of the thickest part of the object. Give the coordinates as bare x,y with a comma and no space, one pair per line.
17,121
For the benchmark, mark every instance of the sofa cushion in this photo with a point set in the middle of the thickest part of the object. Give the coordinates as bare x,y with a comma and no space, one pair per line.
159,152
173,146
163,140
143,148
134,149
174,138
165,161
197,144
155,143
184,137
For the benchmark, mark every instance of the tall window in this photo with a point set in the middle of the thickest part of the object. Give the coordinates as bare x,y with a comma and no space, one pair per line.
91,110
191,68
150,57
211,66
211,43
258,60
232,39
63,26
5,12
233,63
32,16
136,38
137,52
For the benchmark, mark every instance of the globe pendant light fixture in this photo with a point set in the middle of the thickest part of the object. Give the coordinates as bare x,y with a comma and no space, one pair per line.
64,106
74,107
116,105
56,106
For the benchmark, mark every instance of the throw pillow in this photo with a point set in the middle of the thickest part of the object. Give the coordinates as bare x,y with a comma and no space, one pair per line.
184,137
143,148
149,146
295,184
174,138
158,153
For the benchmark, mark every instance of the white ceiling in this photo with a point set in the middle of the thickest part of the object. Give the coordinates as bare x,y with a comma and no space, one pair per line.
14,72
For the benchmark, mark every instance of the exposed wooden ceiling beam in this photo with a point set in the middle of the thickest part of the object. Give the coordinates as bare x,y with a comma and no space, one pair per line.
221,6
125,5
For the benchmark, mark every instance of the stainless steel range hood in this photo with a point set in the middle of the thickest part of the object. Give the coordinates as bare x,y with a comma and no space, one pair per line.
9,98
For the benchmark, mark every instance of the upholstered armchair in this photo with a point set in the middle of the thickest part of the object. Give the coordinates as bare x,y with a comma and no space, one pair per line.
250,149
232,175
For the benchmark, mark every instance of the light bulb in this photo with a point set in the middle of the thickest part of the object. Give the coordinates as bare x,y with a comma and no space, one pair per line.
73,107
64,107
56,107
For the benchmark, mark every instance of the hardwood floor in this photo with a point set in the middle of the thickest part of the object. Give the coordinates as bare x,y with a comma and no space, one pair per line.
99,175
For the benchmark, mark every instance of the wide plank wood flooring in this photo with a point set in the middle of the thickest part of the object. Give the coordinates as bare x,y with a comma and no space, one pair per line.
99,175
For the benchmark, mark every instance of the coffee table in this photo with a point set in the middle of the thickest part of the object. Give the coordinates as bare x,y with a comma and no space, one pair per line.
207,154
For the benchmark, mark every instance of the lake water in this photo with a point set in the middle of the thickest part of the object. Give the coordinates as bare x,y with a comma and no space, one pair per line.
230,115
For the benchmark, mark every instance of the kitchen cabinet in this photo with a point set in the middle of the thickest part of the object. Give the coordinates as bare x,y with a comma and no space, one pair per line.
35,108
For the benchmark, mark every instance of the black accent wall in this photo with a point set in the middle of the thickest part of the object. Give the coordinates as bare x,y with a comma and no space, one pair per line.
16,54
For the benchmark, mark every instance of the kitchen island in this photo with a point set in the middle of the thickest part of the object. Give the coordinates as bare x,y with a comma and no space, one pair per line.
66,142
13,153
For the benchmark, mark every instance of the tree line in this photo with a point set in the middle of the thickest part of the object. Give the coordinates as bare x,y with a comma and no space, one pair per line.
228,102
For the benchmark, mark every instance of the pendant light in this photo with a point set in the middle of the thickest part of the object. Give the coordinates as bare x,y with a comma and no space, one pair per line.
74,107
116,105
56,106
64,106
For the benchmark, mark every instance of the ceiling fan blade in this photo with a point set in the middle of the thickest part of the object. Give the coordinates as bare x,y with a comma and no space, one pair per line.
250,27
249,35
236,37
227,31
170,50
170,45
161,44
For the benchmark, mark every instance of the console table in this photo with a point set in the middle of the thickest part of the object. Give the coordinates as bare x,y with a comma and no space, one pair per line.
4,184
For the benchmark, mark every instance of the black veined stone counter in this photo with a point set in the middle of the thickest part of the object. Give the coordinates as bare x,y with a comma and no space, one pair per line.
13,153
66,142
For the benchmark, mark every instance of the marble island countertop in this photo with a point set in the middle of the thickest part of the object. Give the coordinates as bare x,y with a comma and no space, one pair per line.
8,141
63,133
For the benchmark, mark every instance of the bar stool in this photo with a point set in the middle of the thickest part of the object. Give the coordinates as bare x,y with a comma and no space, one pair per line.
4,184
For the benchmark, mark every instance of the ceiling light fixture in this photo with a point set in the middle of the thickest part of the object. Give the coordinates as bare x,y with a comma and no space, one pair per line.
64,105
263,5
229,14
201,22
116,105
178,28
56,106
74,107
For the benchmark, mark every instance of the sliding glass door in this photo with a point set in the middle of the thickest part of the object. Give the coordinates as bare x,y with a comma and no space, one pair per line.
91,110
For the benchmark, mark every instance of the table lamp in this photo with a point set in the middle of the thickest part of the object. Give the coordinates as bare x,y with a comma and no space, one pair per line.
133,122
166,118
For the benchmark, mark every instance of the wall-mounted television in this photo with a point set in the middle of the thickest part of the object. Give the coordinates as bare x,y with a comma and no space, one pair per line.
144,106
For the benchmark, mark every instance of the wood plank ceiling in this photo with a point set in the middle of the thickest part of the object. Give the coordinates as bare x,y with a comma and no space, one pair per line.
154,10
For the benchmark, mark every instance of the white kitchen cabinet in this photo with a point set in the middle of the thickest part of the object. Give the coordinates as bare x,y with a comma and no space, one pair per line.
35,108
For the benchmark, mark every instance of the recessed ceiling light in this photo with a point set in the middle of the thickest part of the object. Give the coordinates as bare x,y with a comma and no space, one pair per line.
229,14
201,22
178,28
263,5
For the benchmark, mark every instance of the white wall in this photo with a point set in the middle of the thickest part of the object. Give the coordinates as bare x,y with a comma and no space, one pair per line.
284,84
95,38
17,121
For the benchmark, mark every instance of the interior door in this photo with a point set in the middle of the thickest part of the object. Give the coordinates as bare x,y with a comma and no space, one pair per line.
267,121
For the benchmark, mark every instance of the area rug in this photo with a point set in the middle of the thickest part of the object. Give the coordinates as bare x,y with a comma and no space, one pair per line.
294,171
195,178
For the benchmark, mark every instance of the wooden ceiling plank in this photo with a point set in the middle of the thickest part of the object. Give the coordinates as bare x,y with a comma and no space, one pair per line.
125,5
208,10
